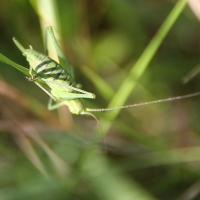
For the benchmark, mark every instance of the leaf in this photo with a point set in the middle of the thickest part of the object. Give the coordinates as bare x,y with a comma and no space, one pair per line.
15,65
21,69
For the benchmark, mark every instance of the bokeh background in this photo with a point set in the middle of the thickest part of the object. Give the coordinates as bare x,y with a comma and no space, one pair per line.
149,152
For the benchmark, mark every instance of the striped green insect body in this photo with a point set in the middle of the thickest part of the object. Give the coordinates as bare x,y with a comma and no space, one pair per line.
59,81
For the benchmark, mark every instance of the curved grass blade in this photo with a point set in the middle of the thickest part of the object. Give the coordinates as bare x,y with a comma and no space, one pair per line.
140,66
22,69
191,74
15,65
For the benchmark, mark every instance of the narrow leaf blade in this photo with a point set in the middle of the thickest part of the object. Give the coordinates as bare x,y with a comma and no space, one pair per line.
15,65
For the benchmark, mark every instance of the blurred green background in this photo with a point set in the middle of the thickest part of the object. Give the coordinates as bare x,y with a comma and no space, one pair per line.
149,152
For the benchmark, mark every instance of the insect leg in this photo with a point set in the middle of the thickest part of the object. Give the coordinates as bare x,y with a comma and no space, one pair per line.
72,72
191,74
69,96
45,90
62,60
90,95
30,71
46,42
55,106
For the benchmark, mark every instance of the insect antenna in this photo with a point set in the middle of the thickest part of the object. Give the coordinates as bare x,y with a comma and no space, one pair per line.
143,103
98,124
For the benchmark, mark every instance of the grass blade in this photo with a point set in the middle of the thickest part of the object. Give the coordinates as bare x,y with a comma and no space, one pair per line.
140,66
15,65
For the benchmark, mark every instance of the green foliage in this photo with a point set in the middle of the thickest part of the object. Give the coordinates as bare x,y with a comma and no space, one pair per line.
149,152
13,64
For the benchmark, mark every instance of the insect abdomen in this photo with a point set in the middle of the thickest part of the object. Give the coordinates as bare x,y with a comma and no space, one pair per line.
48,69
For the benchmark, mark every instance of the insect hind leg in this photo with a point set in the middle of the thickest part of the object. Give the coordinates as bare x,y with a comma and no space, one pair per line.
62,60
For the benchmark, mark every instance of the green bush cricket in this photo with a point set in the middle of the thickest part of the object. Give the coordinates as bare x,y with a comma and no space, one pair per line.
60,82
